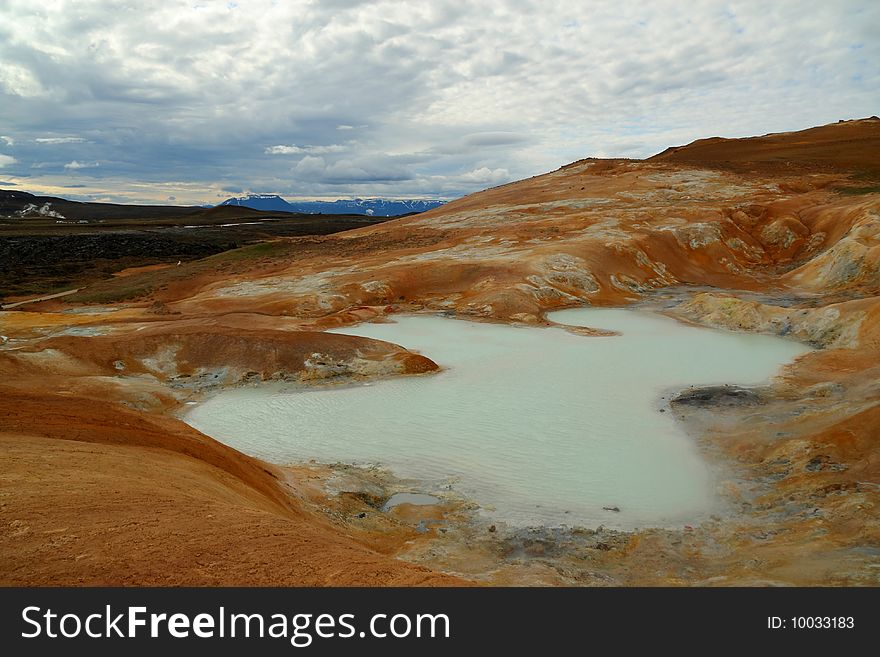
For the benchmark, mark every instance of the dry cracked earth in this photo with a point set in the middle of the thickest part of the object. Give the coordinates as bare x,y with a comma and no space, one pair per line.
102,484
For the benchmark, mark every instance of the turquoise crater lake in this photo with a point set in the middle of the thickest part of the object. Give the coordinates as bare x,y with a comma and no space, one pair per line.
536,425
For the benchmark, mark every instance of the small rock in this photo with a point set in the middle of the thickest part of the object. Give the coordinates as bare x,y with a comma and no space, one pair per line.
817,463
616,509
492,529
714,396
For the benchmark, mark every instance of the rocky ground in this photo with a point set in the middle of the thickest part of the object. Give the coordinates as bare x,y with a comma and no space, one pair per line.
777,234
49,244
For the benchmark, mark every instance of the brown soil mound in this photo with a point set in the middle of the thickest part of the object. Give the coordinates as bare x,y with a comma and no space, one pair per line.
844,146
98,494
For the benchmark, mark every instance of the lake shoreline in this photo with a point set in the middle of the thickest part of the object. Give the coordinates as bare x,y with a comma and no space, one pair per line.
457,535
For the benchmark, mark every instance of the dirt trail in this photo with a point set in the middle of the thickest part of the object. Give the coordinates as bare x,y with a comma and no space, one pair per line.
46,297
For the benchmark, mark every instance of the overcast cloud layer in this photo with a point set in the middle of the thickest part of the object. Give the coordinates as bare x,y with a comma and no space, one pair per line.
192,102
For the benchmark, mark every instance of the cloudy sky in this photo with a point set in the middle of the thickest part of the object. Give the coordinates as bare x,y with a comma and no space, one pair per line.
194,101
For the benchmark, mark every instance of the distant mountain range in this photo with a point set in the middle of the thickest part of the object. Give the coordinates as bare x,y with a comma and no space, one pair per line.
378,207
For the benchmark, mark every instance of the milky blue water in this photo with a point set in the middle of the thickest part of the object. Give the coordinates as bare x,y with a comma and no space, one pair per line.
537,425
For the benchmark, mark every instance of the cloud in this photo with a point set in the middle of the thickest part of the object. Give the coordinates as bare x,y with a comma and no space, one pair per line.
185,98
381,169
490,139
300,150
486,176
75,164
59,140
9,141
310,166
18,80
6,160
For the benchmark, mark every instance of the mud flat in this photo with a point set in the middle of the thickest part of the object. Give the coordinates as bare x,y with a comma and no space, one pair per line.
538,426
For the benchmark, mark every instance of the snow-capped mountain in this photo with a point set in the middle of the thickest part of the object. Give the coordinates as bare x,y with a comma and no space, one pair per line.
378,207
